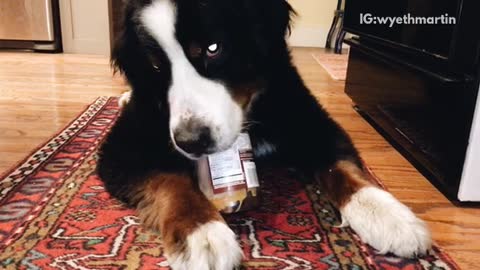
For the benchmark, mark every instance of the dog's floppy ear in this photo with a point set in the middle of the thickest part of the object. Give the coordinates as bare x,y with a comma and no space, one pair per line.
269,22
130,57
274,17
279,16
126,53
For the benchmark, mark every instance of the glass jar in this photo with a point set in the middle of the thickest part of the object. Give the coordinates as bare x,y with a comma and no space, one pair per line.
229,179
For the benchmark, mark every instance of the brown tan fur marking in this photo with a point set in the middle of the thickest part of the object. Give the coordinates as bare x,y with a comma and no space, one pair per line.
242,94
173,205
342,181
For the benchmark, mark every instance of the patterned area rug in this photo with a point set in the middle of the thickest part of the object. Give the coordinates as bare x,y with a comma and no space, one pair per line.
55,214
335,64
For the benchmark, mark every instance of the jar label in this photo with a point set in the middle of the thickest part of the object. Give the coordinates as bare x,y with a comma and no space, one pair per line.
234,168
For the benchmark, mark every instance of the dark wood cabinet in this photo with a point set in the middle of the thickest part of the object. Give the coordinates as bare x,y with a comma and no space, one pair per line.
419,93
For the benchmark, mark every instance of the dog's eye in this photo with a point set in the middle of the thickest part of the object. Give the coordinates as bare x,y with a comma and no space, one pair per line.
194,50
214,50
155,63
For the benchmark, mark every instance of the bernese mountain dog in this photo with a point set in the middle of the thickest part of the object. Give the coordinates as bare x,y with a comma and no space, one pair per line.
201,72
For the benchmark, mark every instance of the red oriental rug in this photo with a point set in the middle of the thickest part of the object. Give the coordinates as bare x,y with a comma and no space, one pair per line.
55,214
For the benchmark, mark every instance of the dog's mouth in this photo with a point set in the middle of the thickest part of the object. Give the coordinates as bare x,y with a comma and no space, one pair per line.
200,154
195,155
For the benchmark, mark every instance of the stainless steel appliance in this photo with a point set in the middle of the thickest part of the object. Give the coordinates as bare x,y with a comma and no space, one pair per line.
30,24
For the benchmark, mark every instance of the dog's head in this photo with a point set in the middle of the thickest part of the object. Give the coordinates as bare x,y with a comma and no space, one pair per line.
204,59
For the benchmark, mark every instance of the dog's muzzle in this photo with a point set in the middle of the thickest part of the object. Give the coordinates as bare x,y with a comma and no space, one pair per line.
194,138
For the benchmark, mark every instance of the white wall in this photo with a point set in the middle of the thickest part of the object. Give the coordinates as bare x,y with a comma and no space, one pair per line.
470,185
313,22
85,24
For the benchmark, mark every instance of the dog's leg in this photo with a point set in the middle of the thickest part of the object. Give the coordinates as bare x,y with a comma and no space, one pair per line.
194,234
374,214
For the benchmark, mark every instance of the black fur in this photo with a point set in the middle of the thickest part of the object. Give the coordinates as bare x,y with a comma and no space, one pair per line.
283,114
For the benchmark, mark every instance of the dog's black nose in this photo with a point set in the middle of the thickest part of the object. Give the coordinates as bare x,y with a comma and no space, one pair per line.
193,139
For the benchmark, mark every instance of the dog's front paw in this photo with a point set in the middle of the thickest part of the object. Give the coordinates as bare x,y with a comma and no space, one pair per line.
212,246
385,223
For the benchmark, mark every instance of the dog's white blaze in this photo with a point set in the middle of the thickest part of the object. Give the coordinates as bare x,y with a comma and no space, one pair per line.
191,95
385,223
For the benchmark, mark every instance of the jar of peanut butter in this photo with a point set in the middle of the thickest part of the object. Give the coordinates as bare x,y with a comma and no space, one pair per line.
229,179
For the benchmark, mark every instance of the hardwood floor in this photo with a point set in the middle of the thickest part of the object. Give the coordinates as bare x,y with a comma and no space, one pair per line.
40,93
